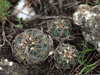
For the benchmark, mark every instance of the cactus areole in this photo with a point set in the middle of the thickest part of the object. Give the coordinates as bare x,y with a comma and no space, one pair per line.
32,46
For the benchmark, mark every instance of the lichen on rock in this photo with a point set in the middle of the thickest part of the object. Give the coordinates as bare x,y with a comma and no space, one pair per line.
88,17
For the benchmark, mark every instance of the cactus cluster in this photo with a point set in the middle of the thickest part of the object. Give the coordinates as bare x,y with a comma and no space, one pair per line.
65,56
59,28
32,46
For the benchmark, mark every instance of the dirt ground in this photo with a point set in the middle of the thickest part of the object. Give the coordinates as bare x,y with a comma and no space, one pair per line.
48,12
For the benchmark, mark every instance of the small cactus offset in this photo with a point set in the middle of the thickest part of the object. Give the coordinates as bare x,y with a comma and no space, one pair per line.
59,28
32,46
65,56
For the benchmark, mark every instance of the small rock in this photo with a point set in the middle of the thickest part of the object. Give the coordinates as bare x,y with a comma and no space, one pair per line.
11,68
22,10
88,18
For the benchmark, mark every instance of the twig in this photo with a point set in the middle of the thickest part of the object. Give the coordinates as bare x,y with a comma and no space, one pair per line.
74,70
91,58
49,17
60,5
71,4
3,33
12,24
40,5
4,37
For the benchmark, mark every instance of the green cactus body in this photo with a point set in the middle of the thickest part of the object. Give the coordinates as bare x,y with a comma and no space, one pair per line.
59,28
65,56
32,46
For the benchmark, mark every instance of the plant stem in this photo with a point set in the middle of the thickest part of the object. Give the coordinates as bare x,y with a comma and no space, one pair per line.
89,66
86,1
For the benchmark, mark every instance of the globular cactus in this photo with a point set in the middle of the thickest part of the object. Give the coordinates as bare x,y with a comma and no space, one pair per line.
32,46
59,28
65,56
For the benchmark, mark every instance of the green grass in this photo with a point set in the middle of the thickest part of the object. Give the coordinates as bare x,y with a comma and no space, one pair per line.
96,0
4,6
86,1
82,60
19,21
